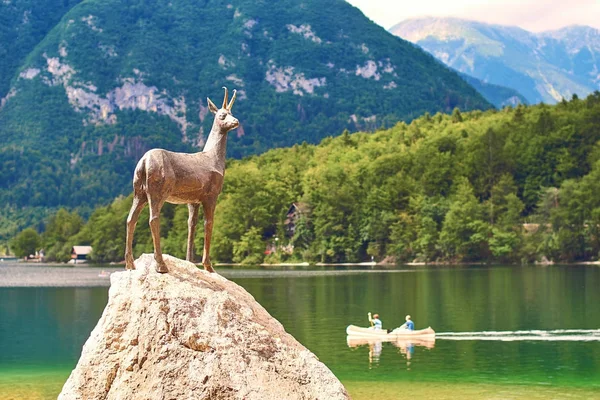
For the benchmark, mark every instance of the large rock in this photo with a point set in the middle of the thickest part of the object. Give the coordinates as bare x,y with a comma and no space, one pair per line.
189,334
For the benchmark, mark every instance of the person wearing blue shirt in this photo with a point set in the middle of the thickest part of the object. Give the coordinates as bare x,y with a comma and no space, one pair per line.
375,321
409,324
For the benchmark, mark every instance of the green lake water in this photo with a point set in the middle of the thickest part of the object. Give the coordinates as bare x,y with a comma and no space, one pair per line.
502,332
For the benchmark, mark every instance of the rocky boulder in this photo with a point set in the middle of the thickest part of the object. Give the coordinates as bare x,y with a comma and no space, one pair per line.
189,334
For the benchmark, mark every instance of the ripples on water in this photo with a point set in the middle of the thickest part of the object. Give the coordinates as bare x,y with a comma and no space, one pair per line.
557,335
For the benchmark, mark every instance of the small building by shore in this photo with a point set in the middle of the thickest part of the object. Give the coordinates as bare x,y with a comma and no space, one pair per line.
294,213
79,254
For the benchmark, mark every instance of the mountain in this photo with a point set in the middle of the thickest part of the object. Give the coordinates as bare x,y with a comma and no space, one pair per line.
499,96
112,79
23,24
547,66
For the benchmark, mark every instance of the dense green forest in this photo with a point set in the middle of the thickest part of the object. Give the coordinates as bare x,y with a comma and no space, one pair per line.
23,24
99,82
513,185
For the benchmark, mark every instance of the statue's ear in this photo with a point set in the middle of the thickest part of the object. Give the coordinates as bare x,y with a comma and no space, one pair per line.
211,106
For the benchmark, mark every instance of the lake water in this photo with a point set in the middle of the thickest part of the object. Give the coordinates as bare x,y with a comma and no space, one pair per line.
503,332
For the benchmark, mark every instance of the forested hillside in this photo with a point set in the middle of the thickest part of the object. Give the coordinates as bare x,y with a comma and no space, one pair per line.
23,24
112,79
507,186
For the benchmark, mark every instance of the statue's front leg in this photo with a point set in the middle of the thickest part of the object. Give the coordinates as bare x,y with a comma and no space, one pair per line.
192,222
209,210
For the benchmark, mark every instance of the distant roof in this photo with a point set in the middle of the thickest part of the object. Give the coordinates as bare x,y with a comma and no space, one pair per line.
83,250
300,206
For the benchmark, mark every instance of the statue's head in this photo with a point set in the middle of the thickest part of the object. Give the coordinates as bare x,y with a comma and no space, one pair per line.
223,117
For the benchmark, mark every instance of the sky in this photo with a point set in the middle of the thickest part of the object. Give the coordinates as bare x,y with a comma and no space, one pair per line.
531,15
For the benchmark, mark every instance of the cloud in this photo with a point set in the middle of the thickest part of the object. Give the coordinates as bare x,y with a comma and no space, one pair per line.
532,15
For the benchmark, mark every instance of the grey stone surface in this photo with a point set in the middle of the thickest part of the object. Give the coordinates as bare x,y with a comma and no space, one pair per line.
190,334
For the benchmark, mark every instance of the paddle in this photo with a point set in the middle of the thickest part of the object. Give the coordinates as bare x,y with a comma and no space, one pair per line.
370,319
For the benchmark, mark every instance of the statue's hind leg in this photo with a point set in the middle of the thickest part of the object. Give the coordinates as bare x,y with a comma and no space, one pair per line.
134,213
155,206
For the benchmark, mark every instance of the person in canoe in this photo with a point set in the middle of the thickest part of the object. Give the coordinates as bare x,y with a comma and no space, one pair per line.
409,325
375,321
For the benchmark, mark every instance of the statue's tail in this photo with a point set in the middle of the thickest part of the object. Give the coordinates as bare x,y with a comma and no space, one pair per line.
139,176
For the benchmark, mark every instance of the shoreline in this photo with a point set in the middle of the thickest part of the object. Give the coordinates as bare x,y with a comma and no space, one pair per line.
301,264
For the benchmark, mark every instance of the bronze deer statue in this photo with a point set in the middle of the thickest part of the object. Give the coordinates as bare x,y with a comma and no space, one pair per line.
181,178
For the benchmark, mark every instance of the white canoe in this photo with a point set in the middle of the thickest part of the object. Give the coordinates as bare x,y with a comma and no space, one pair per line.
398,333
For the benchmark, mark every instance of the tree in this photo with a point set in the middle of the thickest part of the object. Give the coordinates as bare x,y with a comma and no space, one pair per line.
519,113
464,233
505,218
26,242
504,206
545,122
426,243
250,248
303,237
59,229
487,160
456,115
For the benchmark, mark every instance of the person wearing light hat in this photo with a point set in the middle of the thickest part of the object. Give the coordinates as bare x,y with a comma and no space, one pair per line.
375,321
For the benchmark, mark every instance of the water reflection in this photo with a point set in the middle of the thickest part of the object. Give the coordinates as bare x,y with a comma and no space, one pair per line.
406,347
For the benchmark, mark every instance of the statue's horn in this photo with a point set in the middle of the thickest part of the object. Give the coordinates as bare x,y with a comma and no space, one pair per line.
232,100
225,99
